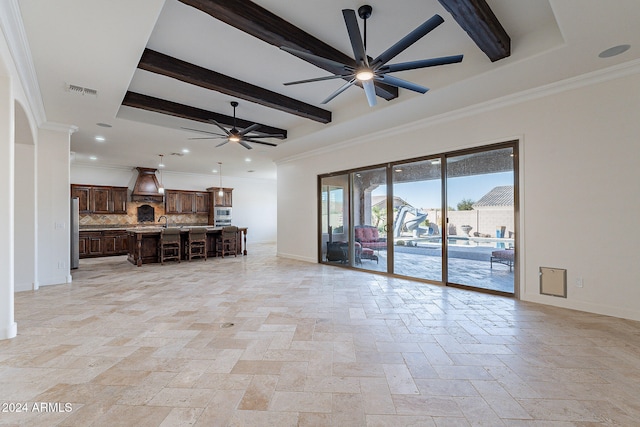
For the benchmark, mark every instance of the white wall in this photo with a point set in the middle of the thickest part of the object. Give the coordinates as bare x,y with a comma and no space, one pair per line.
579,185
254,200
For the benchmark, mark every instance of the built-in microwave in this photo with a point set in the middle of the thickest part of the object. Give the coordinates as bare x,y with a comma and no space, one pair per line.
222,211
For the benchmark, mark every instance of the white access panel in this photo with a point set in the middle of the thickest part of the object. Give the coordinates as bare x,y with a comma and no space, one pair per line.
553,281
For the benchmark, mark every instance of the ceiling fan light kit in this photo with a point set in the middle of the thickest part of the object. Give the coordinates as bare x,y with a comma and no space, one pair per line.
368,72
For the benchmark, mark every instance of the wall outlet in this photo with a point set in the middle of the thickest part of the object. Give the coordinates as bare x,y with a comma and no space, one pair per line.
579,282
59,225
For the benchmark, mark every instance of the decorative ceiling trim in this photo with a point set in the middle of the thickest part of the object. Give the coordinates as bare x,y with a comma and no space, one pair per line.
16,37
268,27
162,106
480,23
165,65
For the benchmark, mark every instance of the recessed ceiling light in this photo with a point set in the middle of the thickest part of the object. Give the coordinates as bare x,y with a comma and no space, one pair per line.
214,170
100,138
615,50
104,125
247,159
185,150
93,158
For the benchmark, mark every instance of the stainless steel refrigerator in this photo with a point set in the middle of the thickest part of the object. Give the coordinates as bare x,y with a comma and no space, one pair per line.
74,226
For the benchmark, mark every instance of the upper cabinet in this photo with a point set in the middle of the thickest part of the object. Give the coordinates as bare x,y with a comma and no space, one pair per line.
202,202
100,199
83,193
223,199
186,202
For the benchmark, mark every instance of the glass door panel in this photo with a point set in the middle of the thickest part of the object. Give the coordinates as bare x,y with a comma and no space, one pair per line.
417,219
369,201
334,194
480,219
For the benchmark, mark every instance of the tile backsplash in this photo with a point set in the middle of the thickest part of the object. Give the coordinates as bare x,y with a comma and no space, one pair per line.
131,217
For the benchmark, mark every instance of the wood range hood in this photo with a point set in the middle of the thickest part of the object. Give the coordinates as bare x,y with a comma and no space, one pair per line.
146,188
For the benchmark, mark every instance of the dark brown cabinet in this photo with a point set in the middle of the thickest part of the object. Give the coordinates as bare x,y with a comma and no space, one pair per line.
100,199
103,243
83,193
202,202
186,202
225,199
119,199
171,202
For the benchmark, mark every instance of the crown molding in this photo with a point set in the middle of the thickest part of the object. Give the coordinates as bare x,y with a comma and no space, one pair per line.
583,80
16,37
59,127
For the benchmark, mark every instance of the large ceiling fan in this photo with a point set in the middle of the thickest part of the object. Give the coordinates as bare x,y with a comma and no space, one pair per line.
235,135
367,70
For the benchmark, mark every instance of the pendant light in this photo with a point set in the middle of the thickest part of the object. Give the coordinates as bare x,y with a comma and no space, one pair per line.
160,166
220,192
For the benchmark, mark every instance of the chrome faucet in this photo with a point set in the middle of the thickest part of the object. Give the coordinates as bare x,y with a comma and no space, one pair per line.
166,220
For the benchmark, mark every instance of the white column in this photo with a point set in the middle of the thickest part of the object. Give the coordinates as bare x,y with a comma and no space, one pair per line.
8,326
53,204
24,216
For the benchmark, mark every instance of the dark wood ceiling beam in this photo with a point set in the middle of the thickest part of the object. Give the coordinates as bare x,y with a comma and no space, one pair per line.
479,21
162,106
268,27
165,65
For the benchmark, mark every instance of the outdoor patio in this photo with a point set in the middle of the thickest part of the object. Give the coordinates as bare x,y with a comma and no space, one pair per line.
467,266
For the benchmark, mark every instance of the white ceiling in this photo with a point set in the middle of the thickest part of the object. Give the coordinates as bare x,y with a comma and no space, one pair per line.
97,44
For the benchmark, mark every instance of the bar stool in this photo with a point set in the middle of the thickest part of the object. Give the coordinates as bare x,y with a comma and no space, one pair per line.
197,243
226,241
169,244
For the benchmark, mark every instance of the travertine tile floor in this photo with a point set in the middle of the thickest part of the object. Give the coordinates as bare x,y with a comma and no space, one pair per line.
309,345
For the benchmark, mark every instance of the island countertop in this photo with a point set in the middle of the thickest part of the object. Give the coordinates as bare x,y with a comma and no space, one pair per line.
144,242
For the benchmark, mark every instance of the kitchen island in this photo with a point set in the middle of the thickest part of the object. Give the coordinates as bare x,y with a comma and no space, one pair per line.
144,243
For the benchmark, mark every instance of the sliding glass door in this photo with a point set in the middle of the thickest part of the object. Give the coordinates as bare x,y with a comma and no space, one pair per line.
334,219
480,219
417,219
446,219
369,201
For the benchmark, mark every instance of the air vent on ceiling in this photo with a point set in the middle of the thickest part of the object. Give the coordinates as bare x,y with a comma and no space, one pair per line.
79,90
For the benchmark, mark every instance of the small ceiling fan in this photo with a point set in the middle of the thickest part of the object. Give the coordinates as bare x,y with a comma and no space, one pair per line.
367,70
235,135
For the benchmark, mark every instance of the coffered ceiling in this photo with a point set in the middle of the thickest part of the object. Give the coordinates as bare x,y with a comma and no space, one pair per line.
161,66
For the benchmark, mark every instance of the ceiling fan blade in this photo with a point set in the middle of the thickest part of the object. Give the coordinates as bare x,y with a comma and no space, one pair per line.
245,145
342,88
221,127
202,131
260,142
249,129
407,41
207,137
370,91
403,66
394,81
356,39
319,79
275,135
317,59
222,143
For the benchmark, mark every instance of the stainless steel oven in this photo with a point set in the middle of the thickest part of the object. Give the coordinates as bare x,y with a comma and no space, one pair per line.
222,216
